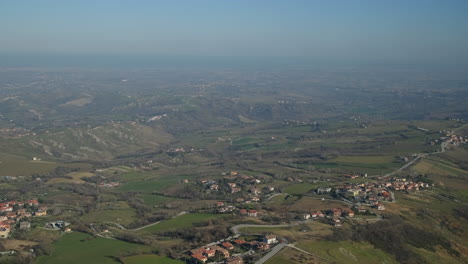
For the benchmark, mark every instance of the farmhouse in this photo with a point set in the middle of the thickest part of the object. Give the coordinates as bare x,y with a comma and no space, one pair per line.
380,207
270,239
336,212
57,225
263,246
323,190
41,212
33,202
255,191
25,225
253,213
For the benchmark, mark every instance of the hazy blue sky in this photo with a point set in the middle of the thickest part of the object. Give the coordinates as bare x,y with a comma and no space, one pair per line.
375,29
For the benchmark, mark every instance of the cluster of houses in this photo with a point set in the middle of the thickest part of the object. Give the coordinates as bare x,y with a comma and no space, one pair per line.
224,250
402,184
222,208
109,184
374,193
13,211
449,137
333,215
58,225
10,178
452,138
250,213
242,185
16,132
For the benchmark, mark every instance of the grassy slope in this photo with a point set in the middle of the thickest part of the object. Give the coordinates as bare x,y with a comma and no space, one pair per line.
15,165
184,221
347,252
21,166
82,248
300,188
121,216
150,259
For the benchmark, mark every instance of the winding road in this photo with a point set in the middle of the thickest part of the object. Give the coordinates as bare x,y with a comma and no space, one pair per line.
132,230
443,146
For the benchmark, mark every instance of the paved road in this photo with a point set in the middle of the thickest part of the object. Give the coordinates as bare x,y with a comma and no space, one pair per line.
273,252
132,230
274,195
406,165
280,246
443,146
142,227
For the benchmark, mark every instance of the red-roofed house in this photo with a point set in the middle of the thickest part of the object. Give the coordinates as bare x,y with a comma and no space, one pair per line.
6,209
227,246
263,246
253,213
210,253
197,251
337,212
348,212
200,257
33,202
239,242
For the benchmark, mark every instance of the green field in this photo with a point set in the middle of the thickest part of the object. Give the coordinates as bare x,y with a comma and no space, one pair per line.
439,168
78,248
436,125
121,216
364,159
148,186
367,164
288,256
153,200
76,177
130,175
347,252
18,166
183,221
300,188
280,199
150,259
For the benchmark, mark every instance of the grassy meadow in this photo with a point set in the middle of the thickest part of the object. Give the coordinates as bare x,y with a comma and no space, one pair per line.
180,222
347,252
78,248
150,259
